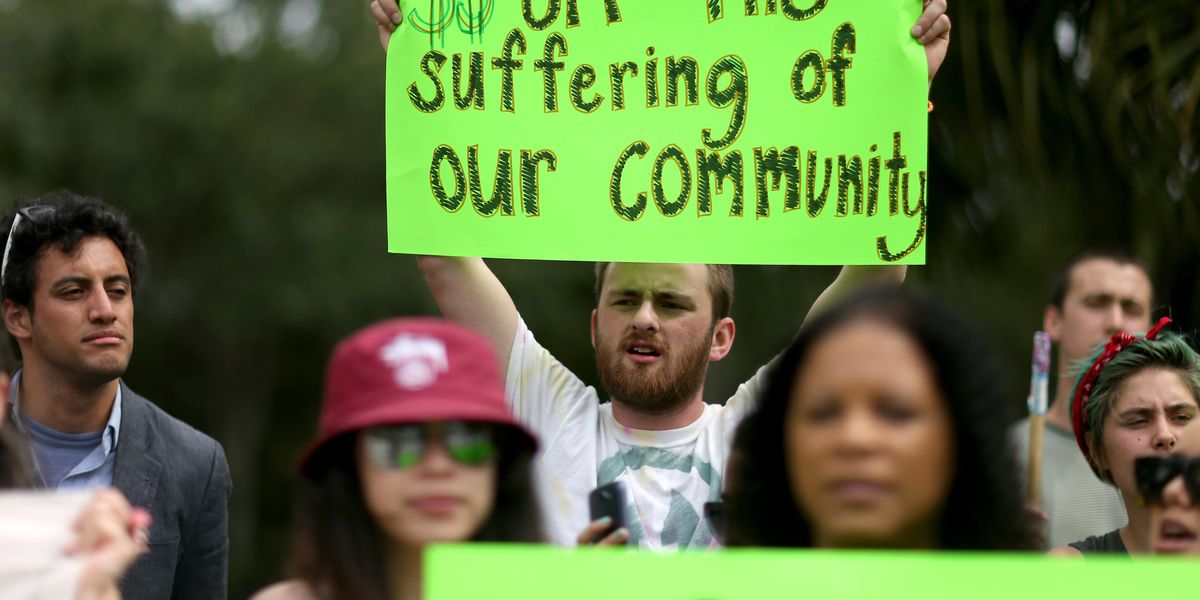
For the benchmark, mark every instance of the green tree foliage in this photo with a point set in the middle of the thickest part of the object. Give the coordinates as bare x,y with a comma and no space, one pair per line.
1062,125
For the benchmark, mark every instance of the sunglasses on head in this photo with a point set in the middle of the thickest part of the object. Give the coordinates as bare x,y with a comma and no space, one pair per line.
1153,473
403,446
29,213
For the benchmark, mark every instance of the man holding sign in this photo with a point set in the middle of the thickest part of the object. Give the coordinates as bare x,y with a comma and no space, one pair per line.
655,328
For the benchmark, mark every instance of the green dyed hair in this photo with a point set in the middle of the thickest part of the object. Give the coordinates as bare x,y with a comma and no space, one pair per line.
1168,351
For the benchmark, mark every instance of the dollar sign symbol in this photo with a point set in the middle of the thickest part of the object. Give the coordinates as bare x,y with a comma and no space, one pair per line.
440,17
473,19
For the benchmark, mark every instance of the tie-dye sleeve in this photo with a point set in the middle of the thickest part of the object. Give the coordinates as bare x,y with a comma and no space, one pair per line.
746,398
545,395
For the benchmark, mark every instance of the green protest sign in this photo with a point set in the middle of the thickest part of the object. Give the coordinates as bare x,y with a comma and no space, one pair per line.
716,131
546,573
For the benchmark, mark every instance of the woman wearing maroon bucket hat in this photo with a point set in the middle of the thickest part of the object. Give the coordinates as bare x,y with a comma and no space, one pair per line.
415,446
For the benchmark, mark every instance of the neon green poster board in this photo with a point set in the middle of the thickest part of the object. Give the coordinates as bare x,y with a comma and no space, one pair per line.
709,131
545,573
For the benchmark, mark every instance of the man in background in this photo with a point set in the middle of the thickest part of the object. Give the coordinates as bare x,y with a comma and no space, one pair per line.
1096,294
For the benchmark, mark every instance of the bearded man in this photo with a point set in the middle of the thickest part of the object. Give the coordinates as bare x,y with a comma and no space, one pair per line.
655,329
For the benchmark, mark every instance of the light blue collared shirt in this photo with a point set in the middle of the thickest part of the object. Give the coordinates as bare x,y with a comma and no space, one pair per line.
96,469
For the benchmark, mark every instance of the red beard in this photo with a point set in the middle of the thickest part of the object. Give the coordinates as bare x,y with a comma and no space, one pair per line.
658,389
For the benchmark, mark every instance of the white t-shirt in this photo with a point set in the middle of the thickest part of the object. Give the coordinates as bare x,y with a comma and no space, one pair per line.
668,475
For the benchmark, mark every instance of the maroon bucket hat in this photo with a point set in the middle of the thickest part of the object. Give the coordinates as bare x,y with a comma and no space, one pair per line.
411,370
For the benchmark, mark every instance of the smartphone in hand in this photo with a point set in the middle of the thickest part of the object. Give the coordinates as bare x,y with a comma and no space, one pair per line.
608,500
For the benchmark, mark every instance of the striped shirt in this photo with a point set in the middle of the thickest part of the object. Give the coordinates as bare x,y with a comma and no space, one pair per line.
1078,503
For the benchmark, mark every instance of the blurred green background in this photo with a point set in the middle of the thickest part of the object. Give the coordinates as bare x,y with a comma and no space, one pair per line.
244,140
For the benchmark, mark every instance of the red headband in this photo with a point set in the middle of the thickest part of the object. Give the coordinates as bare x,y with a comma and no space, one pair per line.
1083,391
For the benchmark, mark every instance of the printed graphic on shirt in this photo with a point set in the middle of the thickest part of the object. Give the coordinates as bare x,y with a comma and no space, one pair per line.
668,475
679,476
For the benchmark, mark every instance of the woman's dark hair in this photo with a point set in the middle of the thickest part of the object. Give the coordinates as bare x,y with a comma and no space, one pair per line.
337,549
984,509
72,219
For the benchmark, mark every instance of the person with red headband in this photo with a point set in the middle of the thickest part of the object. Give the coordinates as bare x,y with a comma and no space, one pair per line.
415,446
1134,400
1170,486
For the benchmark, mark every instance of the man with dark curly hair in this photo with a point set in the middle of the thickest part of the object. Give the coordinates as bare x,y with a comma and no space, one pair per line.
67,277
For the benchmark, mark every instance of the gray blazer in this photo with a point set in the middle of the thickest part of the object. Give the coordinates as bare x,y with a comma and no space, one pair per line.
181,477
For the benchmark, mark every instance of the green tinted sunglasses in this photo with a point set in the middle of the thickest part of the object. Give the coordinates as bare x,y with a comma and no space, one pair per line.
402,446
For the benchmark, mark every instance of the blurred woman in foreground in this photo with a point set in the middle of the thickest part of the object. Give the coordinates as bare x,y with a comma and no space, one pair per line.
881,427
415,446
